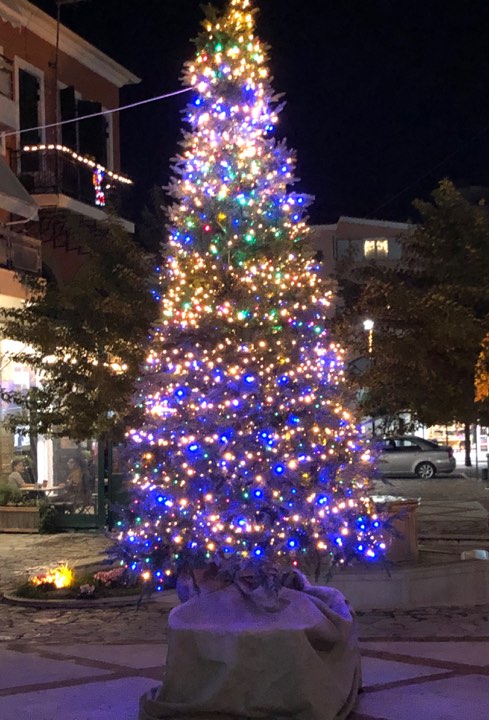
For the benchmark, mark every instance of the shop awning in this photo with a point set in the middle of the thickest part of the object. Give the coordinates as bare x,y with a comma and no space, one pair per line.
14,198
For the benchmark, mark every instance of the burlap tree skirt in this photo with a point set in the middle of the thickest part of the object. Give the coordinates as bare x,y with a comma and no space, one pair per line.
235,655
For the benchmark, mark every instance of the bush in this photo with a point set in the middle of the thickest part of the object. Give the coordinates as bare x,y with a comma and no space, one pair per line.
10,495
47,518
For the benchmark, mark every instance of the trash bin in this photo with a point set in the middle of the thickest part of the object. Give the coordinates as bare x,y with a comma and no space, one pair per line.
402,527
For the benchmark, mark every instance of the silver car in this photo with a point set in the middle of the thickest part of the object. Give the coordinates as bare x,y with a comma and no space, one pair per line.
414,455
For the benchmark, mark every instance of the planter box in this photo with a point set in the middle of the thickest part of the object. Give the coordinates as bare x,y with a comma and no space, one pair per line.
19,519
403,542
464,584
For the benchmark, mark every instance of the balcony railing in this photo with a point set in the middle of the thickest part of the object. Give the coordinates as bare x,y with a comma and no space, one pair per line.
55,169
6,77
18,252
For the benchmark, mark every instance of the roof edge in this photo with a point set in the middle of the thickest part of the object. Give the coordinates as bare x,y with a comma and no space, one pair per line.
379,223
22,13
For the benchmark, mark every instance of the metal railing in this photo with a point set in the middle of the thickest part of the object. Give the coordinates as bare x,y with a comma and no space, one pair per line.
57,170
6,77
19,252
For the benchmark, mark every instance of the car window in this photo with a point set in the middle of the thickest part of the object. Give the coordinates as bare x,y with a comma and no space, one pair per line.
431,445
388,445
403,445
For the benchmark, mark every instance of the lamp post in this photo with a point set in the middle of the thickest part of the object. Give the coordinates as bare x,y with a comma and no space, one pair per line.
368,326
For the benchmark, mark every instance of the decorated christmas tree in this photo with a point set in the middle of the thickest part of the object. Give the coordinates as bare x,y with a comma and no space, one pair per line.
246,451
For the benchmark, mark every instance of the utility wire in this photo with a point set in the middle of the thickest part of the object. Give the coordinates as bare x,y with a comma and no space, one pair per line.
97,114
428,172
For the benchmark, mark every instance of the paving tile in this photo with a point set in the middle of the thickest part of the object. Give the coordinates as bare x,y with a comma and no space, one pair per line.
131,656
380,672
25,668
465,653
113,700
450,699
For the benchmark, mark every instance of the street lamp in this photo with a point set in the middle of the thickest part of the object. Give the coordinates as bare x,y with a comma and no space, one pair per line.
368,326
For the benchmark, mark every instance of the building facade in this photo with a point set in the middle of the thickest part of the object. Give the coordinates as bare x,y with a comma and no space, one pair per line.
357,240
53,164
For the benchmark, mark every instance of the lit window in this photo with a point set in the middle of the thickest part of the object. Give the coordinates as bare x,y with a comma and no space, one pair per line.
376,248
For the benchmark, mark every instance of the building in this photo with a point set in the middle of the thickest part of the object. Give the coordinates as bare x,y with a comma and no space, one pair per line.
48,171
348,244
342,248
358,240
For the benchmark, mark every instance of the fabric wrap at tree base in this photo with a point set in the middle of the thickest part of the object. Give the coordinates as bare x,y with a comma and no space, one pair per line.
232,657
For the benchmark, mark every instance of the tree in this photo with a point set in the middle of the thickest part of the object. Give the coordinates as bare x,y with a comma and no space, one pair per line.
482,373
86,340
246,451
150,229
431,313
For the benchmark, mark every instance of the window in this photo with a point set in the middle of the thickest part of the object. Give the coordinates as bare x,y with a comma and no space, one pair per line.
67,111
367,249
30,115
6,84
89,137
395,249
348,249
376,249
30,94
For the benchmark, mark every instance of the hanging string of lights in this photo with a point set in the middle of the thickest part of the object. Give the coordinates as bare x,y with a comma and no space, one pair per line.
82,159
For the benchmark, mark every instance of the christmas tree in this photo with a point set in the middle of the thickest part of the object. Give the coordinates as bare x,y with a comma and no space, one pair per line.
246,451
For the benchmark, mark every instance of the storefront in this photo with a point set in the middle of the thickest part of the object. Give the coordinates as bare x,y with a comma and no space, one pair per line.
454,435
75,478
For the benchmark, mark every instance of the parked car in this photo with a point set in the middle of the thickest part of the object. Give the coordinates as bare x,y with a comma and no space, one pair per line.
414,455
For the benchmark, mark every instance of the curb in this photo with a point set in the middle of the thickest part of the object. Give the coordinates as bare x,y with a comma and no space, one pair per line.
167,602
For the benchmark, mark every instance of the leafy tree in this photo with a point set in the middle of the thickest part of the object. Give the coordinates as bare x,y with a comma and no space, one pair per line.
85,339
431,314
150,228
482,373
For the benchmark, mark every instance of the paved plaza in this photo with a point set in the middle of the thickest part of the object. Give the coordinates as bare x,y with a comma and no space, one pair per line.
94,664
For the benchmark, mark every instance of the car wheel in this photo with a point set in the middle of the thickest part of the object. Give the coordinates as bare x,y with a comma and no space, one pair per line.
425,470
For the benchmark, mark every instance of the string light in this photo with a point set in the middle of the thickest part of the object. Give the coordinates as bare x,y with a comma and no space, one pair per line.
246,450
82,159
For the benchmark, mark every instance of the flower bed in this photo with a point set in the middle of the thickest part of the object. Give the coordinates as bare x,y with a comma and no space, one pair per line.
63,583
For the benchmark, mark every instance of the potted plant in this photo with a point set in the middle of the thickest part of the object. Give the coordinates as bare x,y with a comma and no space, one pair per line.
18,512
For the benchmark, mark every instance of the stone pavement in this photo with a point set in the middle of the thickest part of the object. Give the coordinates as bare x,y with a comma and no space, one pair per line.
94,664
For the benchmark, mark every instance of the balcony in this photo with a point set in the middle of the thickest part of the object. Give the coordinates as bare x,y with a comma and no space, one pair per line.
19,252
54,170
8,111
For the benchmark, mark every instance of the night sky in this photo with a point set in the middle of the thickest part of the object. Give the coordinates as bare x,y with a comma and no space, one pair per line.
384,97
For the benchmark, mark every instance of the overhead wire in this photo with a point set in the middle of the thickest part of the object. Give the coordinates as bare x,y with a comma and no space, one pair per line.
98,114
428,172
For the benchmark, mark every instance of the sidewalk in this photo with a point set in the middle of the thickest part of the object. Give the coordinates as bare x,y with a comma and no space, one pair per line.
94,664
436,677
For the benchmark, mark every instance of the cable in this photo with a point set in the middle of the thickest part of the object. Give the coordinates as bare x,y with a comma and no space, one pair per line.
428,172
97,114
